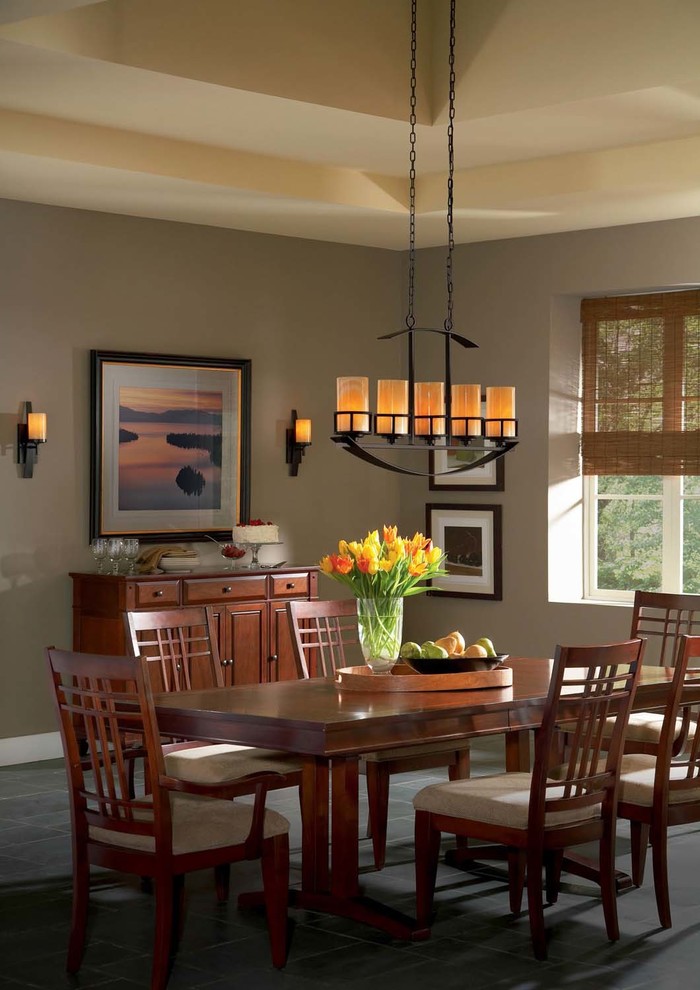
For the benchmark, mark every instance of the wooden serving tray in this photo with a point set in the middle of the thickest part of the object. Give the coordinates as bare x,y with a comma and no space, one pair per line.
402,678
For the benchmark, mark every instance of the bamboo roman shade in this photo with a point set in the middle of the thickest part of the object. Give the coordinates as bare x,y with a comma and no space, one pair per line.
641,384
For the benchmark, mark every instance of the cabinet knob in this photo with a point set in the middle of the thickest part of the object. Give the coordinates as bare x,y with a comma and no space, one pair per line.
290,586
157,594
226,590
227,663
272,658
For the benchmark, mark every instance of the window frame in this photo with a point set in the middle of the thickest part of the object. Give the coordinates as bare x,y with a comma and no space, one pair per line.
673,500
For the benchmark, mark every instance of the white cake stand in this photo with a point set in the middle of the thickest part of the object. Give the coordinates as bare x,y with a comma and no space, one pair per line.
254,550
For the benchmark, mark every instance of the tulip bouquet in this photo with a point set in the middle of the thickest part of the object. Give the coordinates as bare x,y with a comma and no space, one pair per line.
380,574
393,567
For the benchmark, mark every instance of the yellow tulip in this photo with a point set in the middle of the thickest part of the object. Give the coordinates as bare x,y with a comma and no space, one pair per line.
326,565
433,556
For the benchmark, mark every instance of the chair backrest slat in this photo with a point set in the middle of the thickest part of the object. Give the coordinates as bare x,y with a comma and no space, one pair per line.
662,619
682,772
107,699
324,636
180,645
589,685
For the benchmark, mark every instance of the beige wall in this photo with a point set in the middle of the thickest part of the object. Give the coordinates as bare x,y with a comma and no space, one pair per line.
303,311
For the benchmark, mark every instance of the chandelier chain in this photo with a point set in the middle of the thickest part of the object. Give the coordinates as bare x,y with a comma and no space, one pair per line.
450,170
410,317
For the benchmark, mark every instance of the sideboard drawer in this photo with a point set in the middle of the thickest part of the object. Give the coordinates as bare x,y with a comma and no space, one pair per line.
152,594
290,586
223,589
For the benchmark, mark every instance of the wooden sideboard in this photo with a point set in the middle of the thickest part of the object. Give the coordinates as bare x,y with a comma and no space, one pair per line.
254,640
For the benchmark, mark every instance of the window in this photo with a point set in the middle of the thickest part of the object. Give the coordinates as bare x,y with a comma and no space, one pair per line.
641,443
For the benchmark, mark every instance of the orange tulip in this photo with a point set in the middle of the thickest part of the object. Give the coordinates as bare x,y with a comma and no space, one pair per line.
390,534
341,564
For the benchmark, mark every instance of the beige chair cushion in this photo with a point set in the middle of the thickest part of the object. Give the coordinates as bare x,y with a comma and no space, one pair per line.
424,749
501,799
645,727
637,781
198,823
217,763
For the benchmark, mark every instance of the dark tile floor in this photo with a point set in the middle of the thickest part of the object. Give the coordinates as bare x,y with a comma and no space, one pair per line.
475,943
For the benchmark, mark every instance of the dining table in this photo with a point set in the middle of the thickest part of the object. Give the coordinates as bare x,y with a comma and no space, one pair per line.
330,726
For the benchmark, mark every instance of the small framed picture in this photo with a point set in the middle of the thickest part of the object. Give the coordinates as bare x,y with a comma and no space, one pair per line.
486,478
170,445
470,535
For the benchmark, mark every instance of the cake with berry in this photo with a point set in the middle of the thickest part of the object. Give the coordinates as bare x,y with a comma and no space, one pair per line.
256,531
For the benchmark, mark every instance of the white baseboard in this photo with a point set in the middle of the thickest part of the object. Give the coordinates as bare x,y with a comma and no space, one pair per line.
30,749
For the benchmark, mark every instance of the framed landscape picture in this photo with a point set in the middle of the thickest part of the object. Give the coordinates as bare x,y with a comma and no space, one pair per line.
170,445
470,535
487,478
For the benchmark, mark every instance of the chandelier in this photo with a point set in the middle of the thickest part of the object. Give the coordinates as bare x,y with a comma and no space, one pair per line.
415,415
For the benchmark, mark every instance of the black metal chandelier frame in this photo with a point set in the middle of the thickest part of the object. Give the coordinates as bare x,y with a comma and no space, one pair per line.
495,436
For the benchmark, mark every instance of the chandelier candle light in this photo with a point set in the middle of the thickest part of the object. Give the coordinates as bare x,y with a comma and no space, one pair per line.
380,574
415,415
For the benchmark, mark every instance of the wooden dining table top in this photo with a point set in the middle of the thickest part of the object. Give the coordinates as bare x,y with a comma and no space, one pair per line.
319,717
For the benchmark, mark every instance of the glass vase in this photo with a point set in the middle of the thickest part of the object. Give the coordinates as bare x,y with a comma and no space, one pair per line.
380,623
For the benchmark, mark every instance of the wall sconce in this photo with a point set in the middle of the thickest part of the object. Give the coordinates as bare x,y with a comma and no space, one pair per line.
30,433
298,439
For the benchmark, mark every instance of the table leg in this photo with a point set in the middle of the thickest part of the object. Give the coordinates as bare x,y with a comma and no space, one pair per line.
345,861
518,750
339,892
315,875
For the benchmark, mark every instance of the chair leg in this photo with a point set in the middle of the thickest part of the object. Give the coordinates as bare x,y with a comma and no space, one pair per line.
378,797
178,908
639,834
607,882
81,894
516,878
222,875
275,872
553,862
659,858
427,852
165,916
534,901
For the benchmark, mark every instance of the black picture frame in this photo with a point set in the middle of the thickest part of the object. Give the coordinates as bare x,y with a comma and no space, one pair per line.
489,477
471,536
149,493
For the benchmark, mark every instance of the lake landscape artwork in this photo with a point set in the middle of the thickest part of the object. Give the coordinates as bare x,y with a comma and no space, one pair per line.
170,448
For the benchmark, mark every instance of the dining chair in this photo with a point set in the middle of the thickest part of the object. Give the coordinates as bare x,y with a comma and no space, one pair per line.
173,827
533,816
325,638
663,789
662,619
181,649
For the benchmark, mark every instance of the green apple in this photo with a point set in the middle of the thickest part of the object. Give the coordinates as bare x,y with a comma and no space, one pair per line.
487,645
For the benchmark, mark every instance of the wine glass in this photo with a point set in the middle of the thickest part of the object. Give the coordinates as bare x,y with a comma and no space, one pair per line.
115,549
99,552
130,553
